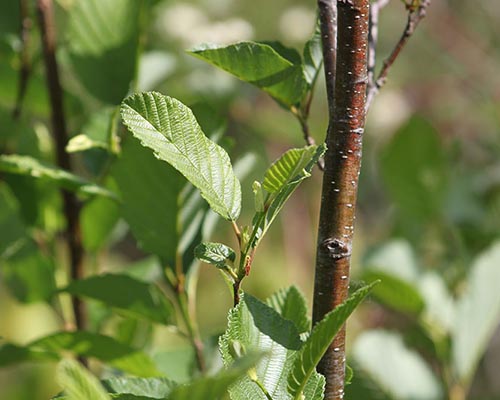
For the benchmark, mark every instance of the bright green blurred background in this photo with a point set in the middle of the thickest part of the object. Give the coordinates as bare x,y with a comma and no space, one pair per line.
430,184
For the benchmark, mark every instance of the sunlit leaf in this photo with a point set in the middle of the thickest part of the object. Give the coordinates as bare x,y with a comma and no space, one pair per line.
261,65
318,341
170,129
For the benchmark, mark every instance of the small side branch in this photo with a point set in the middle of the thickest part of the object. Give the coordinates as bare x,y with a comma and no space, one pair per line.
25,67
417,11
70,202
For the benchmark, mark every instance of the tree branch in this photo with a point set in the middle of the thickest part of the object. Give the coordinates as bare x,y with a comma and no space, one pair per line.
70,202
415,14
340,179
25,68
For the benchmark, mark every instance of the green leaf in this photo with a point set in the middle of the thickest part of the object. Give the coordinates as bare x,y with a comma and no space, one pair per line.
257,327
261,65
290,168
104,34
26,271
129,296
313,57
282,178
397,370
394,292
478,313
217,254
291,304
29,166
170,129
215,387
11,354
440,307
149,199
102,347
157,388
78,383
321,337
414,168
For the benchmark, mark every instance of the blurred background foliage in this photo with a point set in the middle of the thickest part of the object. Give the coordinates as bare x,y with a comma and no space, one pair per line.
429,206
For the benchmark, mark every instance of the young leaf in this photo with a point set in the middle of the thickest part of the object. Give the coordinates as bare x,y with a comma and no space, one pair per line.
321,337
398,371
78,383
257,327
478,313
261,65
26,165
102,347
290,168
215,387
291,305
217,254
281,180
170,129
126,294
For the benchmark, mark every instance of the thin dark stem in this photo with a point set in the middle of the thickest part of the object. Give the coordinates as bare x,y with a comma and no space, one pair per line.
25,69
70,202
340,179
415,15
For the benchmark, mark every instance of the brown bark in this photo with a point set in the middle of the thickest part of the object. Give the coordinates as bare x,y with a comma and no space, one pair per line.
70,202
340,180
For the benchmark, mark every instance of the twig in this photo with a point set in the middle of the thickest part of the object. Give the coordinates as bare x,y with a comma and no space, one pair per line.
375,8
70,202
415,14
25,68
340,179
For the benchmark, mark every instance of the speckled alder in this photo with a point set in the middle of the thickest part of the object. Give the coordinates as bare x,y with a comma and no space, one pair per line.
270,348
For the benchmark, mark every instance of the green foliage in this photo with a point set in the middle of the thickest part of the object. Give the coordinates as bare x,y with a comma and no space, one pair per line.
127,295
281,180
104,348
318,341
400,372
96,46
291,305
413,168
274,69
29,166
254,326
170,129
217,254
477,314
78,383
